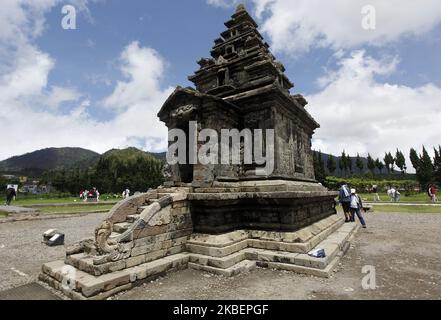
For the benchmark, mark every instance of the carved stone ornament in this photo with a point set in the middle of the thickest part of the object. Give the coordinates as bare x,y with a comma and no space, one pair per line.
183,112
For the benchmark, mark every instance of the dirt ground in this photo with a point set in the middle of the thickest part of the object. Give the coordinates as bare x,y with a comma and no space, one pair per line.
404,249
22,252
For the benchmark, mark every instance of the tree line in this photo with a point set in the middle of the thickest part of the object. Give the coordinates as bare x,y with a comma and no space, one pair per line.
109,175
427,169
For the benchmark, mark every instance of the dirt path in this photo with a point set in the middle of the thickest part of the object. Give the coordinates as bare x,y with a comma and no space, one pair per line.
22,252
404,249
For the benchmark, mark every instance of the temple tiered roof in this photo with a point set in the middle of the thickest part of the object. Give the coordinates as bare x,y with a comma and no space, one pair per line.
240,61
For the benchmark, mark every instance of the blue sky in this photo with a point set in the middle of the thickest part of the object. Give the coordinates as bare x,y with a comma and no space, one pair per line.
100,86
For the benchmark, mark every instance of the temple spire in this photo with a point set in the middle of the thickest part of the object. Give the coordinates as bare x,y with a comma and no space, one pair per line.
240,7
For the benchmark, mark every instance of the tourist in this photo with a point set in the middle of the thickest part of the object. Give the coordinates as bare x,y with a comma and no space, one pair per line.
432,192
397,195
375,192
126,193
97,194
344,197
356,205
10,195
391,194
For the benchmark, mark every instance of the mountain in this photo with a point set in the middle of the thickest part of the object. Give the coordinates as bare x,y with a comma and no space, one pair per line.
131,153
36,162
49,159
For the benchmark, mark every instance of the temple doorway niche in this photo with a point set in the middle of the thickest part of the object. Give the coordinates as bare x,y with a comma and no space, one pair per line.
186,170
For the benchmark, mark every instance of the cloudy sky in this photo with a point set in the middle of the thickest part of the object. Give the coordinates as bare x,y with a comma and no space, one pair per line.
100,86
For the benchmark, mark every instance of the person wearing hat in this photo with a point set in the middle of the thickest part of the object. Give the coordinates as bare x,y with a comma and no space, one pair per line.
356,206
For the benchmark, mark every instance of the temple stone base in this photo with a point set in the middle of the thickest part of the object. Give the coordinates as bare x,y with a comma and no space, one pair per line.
225,254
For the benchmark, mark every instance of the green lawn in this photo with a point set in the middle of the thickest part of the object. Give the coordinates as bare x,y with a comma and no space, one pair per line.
401,209
23,201
407,209
73,209
415,198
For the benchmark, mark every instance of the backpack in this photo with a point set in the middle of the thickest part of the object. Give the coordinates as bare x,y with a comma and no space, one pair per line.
342,197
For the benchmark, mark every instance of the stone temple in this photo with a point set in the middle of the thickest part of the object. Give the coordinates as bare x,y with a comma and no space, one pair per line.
219,218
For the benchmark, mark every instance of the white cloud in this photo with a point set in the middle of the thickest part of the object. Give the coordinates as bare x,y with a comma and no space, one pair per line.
295,27
29,116
223,3
143,68
58,95
360,115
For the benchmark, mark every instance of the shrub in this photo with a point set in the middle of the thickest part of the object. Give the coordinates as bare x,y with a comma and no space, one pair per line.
365,185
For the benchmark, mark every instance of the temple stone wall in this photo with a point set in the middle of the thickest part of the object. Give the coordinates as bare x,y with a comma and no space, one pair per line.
259,214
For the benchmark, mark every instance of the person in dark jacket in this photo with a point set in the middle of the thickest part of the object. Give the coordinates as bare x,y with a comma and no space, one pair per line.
10,194
344,197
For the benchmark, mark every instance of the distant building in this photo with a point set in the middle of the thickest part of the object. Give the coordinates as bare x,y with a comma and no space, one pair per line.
9,177
35,188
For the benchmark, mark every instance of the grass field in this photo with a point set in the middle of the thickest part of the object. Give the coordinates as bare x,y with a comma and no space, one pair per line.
68,200
401,209
73,209
22,201
415,198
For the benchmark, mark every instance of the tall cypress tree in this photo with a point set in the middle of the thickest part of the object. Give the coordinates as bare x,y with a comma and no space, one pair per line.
379,165
437,166
331,165
319,167
349,164
359,164
371,164
343,163
400,161
414,159
425,172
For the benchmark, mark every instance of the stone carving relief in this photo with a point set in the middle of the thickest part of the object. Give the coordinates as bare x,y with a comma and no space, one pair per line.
183,112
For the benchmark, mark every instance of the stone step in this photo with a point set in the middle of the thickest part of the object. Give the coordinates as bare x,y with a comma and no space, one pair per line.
334,245
121,227
323,273
77,284
243,266
132,218
218,262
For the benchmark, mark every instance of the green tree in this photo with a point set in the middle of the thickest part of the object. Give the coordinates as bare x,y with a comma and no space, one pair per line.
371,164
437,166
400,161
343,164
349,164
319,167
414,159
379,165
387,162
425,172
331,165
359,164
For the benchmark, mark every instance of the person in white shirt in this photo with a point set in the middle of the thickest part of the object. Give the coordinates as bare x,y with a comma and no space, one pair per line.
126,193
356,206
391,193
